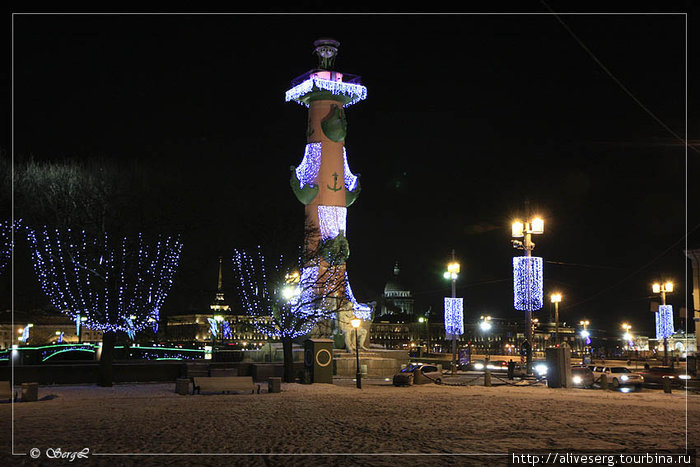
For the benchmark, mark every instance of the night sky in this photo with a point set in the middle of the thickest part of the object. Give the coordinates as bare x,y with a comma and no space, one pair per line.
466,117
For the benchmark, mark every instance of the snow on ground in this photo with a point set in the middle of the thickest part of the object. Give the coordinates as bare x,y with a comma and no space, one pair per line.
341,419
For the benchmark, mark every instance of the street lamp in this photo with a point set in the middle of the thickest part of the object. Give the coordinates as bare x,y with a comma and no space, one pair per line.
452,273
662,290
584,333
80,328
485,326
525,230
627,336
556,298
358,375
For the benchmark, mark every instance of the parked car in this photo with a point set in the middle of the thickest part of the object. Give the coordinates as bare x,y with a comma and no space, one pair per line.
582,377
418,373
619,376
654,377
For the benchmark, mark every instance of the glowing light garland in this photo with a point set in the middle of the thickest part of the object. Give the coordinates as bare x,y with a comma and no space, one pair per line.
527,283
226,328
362,310
213,327
307,171
262,294
454,316
664,321
356,92
6,229
115,289
350,179
25,334
332,221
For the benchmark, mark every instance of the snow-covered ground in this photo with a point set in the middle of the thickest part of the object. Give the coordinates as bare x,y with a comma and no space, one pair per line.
343,420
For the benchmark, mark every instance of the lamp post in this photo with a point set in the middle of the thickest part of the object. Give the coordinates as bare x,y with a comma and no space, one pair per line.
452,273
82,320
358,375
485,326
525,230
584,334
556,298
662,290
421,321
627,336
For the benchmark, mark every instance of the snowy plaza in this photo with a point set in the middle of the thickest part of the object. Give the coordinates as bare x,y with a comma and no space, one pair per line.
149,424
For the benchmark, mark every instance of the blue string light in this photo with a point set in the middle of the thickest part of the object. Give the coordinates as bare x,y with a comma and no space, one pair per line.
664,321
362,310
6,230
213,327
332,220
454,316
114,289
307,171
527,283
226,328
356,92
261,284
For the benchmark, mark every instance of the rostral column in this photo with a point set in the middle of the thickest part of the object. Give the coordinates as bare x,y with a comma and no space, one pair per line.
323,181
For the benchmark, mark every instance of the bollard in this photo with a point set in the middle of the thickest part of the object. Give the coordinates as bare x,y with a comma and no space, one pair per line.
30,392
603,382
274,384
182,386
667,385
487,378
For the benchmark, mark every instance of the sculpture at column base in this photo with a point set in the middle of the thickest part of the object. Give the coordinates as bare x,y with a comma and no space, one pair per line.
343,319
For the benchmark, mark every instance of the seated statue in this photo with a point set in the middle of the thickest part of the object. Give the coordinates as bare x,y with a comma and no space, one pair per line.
344,325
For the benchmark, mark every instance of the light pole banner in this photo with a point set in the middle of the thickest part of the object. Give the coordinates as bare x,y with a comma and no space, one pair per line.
664,321
454,317
527,283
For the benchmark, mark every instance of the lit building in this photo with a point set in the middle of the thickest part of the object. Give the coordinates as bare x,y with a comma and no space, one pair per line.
221,326
397,298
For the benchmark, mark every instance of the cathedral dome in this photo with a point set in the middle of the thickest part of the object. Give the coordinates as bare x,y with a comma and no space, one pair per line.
394,287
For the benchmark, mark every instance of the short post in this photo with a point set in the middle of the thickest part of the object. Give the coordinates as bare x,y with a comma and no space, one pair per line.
274,384
603,381
30,392
487,378
667,385
182,386
358,374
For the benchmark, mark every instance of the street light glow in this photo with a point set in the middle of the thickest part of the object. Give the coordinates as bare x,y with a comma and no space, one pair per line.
668,287
556,297
452,270
537,225
355,322
517,229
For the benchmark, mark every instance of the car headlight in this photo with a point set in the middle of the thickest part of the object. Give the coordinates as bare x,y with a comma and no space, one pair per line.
541,369
479,366
577,380
624,377
684,376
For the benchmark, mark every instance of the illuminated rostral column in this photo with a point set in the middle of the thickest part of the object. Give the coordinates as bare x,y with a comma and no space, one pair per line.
323,181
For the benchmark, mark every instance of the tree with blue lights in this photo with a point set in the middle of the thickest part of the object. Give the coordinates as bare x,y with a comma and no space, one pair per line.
288,297
116,281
